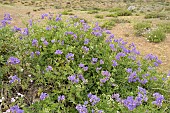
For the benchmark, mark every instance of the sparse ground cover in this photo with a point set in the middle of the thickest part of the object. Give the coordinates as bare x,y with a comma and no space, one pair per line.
91,92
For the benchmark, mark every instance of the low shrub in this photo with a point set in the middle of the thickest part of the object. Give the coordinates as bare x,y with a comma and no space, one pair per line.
155,15
72,67
156,36
115,9
67,13
99,16
108,24
117,20
92,12
141,28
111,15
124,13
165,27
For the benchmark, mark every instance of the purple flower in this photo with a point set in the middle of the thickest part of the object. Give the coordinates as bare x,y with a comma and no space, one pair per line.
130,103
25,32
129,70
32,54
86,41
7,17
86,49
112,47
114,63
116,97
100,111
103,80
73,79
34,42
30,22
49,68
81,78
156,64
142,90
93,99
58,52
81,108
69,33
48,28
121,54
81,65
37,53
16,29
43,16
159,99
101,62
53,41
14,78
86,102
94,60
43,96
108,32
133,77
70,56
58,18
61,98
85,68
106,73
98,68
45,42
13,60
15,109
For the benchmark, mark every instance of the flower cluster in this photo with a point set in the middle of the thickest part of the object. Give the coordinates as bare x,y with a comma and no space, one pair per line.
75,78
16,109
14,78
61,98
85,68
159,99
107,76
13,60
43,96
82,108
93,99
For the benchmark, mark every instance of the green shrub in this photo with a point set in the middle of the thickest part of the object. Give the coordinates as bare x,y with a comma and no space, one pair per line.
155,15
66,67
115,9
141,28
156,36
67,13
99,16
117,20
124,13
108,24
92,12
165,27
111,15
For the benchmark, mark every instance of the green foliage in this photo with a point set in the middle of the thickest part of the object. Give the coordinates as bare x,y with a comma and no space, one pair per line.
124,13
141,28
155,15
165,27
92,12
156,36
108,24
115,9
117,20
67,12
99,16
73,36
111,15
